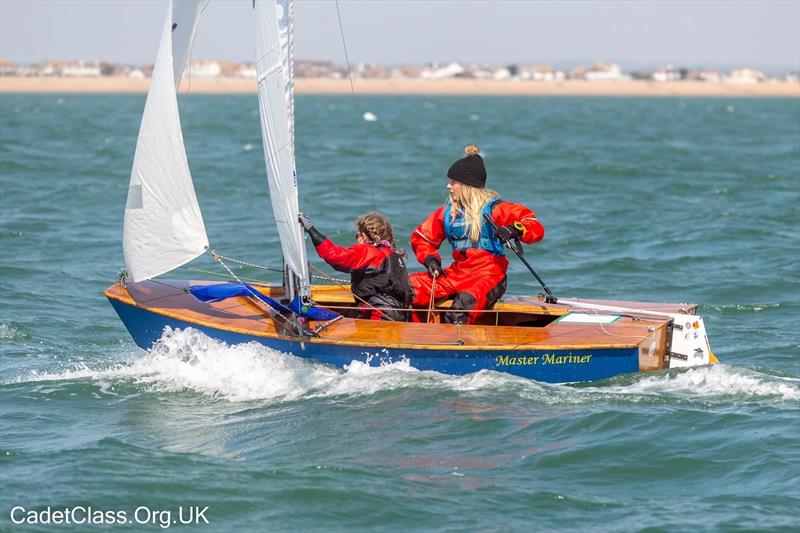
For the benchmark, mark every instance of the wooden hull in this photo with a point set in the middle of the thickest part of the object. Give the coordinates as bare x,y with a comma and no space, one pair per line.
529,340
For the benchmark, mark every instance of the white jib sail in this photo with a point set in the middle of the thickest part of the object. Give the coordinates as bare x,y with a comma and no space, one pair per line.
276,106
185,14
163,227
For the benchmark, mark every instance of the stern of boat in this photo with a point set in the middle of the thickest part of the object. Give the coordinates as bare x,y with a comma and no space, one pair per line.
689,344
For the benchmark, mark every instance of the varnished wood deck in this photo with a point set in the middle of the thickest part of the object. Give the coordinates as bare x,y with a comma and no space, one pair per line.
240,315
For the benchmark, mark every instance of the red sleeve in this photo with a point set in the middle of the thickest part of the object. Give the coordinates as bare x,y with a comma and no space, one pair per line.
356,257
506,213
428,236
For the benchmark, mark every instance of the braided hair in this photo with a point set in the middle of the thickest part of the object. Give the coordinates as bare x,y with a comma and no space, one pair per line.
377,228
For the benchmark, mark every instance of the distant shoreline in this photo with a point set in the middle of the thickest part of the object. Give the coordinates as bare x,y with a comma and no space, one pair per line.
451,86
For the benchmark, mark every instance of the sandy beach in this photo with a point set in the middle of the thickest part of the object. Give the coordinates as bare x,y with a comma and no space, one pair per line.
11,84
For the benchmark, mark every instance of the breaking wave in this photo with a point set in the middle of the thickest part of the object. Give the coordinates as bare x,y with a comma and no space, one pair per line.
718,381
12,332
187,360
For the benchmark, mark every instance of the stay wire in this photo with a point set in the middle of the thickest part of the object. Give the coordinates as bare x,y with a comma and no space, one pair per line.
272,269
271,313
219,258
359,125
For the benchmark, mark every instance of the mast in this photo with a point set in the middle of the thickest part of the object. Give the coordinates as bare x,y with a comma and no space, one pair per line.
274,70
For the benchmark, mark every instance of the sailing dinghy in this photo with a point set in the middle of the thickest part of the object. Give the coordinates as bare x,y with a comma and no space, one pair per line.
537,337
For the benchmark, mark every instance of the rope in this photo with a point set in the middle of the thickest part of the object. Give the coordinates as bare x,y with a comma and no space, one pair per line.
359,126
433,293
245,263
219,274
604,330
390,319
271,269
435,310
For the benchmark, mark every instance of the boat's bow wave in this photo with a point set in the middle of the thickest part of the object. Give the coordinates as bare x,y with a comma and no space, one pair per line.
188,360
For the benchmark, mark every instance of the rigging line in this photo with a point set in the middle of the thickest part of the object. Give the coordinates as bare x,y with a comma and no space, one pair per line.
604,330
159,282
442,310
189,74
271,313
359,125
188,62
390,319
221,275
273,269
254,265
433,295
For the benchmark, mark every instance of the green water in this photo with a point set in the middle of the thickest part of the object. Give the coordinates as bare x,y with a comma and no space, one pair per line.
653,199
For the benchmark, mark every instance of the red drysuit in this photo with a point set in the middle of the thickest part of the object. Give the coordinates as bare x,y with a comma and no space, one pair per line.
477,277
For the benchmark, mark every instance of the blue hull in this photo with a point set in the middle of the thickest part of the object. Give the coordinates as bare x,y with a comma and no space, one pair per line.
554,366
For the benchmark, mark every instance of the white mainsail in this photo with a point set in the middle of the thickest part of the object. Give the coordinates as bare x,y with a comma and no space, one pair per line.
276,106
185,14
163,227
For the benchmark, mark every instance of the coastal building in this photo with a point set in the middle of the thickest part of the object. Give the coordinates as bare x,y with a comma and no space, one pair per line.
406,72
540,73
667,73
316,69
370,71
745,75
229,69
50,68
477,71
603,71
8,68
503,73
578,73
203,69
449,71
246,70
81,68
707,75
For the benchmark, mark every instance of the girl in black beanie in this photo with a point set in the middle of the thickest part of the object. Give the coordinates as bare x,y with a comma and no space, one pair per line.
476,278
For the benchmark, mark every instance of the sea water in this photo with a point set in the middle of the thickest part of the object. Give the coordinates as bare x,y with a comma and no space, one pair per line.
655,199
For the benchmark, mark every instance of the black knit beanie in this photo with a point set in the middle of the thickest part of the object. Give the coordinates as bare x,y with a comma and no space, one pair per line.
469,170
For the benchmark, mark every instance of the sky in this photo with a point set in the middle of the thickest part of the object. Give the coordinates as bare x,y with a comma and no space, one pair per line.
637,34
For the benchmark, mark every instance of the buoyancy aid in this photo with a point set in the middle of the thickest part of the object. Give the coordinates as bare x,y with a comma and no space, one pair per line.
458,236
390,279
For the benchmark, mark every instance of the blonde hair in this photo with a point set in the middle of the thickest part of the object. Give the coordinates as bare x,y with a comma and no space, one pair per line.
471,200
377,228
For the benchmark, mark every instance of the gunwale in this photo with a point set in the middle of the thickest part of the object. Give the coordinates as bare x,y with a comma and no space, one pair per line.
238,315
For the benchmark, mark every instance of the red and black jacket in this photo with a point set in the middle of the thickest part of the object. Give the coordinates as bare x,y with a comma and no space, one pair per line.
374,270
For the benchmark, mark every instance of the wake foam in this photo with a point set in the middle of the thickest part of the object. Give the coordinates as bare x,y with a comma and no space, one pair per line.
188,360
720,380
11,332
